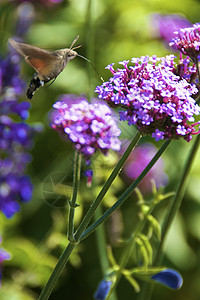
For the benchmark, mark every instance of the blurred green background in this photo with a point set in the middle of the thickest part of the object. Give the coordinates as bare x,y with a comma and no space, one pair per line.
110,31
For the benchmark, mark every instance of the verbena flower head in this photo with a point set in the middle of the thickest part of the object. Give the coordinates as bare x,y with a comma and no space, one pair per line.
153,97
3,256
137,162
170,278
90,126
188,41
102,290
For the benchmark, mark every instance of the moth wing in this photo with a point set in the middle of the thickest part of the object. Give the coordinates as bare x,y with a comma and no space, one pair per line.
41,65
39,59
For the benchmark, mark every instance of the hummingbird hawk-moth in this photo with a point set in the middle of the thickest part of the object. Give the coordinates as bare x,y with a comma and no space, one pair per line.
48,65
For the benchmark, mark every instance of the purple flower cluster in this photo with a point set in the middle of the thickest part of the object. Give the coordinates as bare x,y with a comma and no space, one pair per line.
90,126
137,162
154,98
3,256
187,41
15,139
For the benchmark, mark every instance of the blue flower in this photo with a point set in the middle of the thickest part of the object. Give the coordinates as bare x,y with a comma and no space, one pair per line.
102,290
169,278
153,96
90,126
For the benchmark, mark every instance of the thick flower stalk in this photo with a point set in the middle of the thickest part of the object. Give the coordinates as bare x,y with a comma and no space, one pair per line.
15,139
154,98
90,126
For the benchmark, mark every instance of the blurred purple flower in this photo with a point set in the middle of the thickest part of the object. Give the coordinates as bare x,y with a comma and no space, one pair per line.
3,256
187,41
25,17
15,139
10,83
137,162
164,26
102,290
154,97
170,278
48,3
90,126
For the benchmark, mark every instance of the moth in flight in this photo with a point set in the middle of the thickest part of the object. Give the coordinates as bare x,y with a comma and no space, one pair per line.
48,65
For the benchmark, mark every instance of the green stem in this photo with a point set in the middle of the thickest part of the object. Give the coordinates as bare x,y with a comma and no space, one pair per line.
76,181
176,203
126,194
172,212
101,242
46,292
101,245
129,250
105,188
56,272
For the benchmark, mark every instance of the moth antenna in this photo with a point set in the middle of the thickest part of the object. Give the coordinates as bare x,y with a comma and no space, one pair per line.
92,66
76,47
74,41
